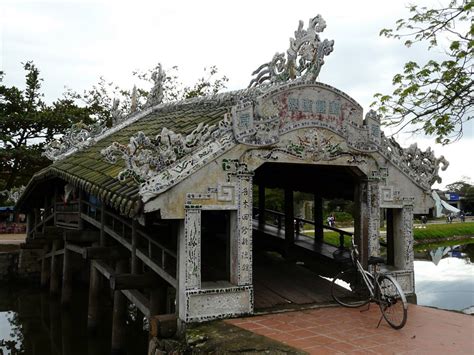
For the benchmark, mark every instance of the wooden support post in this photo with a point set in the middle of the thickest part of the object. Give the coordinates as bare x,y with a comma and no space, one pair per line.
54,277
55,326
66,292
158,296
68,333
45,268
104,253
133,281
134,259
81,236
261,203
102,224
80,197
37,219
94,300
289,218
119,314
30,224
318,218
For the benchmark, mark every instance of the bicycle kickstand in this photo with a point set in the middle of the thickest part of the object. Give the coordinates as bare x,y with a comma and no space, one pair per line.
380,320
368,307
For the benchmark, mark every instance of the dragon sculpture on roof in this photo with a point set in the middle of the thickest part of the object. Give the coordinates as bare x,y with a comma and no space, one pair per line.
304,57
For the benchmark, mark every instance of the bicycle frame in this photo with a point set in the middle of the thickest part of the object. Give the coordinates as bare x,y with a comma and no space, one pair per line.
383,290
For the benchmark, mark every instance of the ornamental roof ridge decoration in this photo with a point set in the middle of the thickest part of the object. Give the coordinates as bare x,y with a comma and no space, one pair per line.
80,136
160,163
14,193
146,157
421,166
304,57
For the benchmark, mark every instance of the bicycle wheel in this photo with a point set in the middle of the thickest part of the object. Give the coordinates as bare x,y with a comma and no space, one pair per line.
349,289
392,301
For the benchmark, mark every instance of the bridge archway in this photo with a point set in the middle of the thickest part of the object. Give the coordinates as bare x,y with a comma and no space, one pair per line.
292,275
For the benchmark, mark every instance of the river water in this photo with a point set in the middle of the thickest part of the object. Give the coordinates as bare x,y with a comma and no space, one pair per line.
32,323
444,277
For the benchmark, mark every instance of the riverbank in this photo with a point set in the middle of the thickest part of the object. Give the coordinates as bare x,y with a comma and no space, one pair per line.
422,233
435,232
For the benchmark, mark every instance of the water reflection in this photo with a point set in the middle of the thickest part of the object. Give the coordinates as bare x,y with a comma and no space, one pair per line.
445,278
32,323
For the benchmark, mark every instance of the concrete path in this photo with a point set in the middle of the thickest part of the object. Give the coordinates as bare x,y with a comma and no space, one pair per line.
12,238
338,330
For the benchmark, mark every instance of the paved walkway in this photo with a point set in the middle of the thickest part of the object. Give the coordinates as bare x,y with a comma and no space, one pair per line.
12,238
338,330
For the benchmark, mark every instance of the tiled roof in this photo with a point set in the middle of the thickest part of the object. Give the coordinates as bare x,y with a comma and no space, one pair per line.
88,170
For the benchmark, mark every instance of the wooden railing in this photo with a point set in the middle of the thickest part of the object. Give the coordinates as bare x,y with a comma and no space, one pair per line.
158,257
67,215
277,219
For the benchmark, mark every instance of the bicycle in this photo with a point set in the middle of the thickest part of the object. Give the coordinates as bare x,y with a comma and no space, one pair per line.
356,287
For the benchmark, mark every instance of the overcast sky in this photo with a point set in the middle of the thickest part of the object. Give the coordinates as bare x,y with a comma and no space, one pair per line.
75,42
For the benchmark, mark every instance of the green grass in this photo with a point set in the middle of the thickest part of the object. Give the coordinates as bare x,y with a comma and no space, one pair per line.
332,238
431,232
442,231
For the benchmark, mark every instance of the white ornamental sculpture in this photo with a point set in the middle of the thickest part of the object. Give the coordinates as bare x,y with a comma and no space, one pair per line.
304,57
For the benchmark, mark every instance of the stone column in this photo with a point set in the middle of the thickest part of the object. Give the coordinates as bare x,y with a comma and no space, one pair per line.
373,203
361,229
189,255
241,233
403,239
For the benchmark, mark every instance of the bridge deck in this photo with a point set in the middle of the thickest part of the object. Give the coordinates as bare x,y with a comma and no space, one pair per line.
282,283
277,236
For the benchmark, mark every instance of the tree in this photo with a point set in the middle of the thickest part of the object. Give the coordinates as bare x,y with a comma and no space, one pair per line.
436,97
101,96
27,123
465,189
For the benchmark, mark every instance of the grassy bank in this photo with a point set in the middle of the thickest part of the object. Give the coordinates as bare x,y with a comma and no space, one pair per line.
443,231
430,233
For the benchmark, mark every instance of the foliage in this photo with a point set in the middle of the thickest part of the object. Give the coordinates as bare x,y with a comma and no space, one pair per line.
466,190
100,97
27,123
435,97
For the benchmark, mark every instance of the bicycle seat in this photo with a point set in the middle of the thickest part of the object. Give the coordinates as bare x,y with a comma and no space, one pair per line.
376,260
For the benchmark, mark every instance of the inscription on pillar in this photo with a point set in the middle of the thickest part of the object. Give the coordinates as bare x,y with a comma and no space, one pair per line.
373,197
192,246
407,232
244,234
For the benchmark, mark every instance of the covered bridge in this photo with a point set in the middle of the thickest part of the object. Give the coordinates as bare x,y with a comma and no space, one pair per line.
161,204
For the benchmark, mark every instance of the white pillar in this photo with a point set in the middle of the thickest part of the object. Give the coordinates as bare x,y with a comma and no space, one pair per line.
241,241
373,206
403,238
